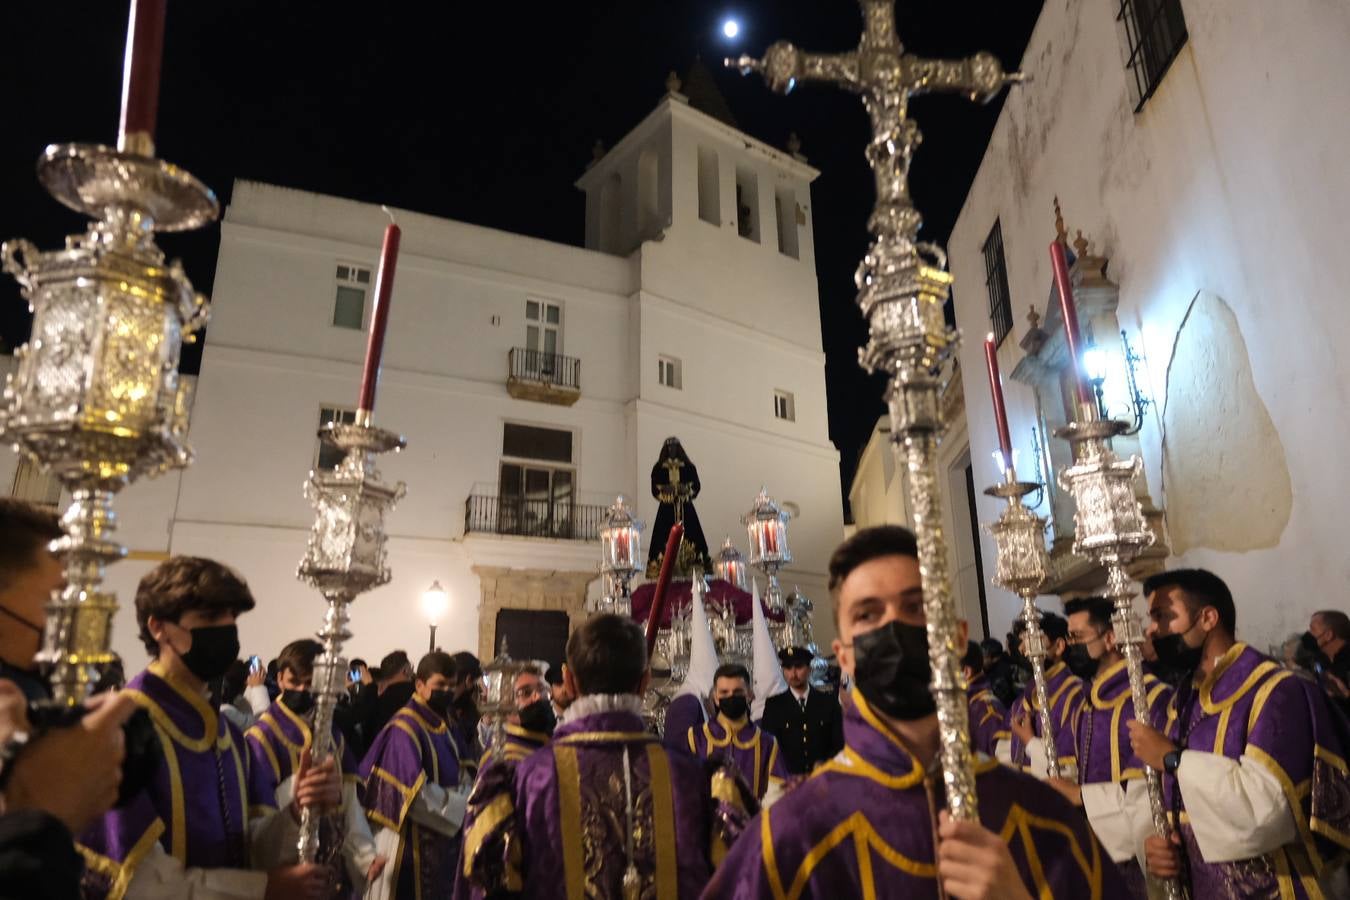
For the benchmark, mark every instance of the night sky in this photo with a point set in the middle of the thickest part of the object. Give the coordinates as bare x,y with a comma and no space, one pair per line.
486,116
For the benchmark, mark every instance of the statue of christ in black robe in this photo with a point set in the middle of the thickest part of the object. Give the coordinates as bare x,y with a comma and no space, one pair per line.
675,485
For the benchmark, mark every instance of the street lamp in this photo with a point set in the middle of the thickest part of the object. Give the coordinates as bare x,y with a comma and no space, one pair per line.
435,602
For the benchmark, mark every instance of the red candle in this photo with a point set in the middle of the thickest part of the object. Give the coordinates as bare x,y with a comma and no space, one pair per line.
379,318
1070,314
1000,411
140,75
658,609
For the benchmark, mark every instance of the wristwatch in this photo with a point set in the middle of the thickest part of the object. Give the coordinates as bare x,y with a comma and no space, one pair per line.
1172,761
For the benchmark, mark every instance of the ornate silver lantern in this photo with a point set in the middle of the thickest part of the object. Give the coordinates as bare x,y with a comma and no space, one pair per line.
729,566
499,693
620,556
766,527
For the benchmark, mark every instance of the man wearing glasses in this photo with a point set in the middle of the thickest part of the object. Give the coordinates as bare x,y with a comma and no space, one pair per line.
531,725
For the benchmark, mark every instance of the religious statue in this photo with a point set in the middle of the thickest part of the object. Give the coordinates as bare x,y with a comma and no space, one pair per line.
675,485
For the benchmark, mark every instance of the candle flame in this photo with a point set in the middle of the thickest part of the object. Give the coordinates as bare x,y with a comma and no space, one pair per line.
389,212
989,338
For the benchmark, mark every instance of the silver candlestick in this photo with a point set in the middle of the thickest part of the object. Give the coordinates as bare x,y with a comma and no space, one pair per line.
345,557
1023,564
902,287
1110,529
96,398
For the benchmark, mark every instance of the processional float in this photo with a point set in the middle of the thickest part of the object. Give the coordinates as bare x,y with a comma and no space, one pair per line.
902,286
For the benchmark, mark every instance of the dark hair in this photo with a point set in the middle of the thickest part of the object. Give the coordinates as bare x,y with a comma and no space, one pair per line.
435,663
234,680
1099,611
1199,588
298,657
992,647
183,584
24,529
554,675
467,665
394,664
1337,622
358,662
974,658
607,654
732,670
867,545
1054,627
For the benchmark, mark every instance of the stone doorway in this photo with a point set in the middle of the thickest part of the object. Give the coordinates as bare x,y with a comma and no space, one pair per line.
527,590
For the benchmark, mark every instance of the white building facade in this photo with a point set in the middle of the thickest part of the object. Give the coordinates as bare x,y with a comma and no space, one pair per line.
534,382
1206,174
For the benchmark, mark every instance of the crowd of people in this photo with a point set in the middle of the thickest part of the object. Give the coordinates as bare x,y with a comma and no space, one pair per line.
193,778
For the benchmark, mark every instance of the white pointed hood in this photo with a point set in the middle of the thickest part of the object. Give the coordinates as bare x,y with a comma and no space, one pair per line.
767,673
702,650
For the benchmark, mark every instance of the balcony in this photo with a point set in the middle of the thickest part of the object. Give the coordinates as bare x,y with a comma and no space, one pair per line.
550,519
543,377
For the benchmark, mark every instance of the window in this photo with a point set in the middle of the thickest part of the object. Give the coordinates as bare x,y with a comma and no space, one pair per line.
327,457
747,204
668,371
349,309
783,406
709,187
34,485
996,282
543,327
785,200
535,490
1155,32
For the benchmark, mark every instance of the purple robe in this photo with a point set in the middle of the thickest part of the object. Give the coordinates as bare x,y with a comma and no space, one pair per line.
555,824
275,743
198,804
988,717
1250,708
684,712
862,825
413,748
1065,692
751,751
1103,736
516,744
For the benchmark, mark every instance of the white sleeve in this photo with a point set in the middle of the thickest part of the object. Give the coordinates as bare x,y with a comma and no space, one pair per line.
258,699
440,809
1003,751
387,844
358,845
1237,807
160,876
1109,815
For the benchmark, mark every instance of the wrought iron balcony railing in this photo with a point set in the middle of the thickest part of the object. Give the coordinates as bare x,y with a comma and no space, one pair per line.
545,368
556,520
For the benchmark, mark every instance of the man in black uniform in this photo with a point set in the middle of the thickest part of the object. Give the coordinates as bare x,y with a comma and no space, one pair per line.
808,724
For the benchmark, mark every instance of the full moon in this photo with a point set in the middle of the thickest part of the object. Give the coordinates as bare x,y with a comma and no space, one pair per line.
731,28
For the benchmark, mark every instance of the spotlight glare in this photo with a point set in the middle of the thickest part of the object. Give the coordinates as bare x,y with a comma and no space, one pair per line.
731,28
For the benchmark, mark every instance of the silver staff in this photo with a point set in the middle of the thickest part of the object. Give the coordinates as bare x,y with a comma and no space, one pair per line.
345,557
1019,535
901,293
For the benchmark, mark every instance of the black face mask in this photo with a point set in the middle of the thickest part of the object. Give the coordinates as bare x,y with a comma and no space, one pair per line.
734,708
439,701
214,647
890,668
298,702
539,717
1080,662
1175,654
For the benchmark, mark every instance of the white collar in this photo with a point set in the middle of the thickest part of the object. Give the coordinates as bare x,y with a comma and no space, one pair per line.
601,703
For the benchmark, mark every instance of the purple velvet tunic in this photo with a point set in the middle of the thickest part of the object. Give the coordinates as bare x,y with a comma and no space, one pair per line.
1065,691
555,824
988,717
863,826
684,712
199,802
1102,732
275,743
1250,708
413,749
517,743
751,751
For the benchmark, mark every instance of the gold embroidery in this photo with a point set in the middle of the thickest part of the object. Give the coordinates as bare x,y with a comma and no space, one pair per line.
1207,703
485,822
861,831
259,737
1021,822
569,809
663,822
409,795
120,874
608,737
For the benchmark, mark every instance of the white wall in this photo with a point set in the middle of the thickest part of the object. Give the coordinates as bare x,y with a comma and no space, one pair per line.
1230,180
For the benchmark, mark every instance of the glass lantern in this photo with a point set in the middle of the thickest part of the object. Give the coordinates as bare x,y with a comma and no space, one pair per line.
730,566
766,526
620,556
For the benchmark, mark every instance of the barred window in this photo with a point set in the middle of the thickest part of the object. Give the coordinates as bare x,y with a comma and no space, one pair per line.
996,282
1155,32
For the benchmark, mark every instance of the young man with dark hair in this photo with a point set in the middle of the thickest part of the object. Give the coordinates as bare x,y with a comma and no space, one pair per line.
1252,756
207,816
751,751
29,574
415,791
870,822
604,810
1330,628
464,715
988,718
277,741
1026,749
1110,785
808,724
